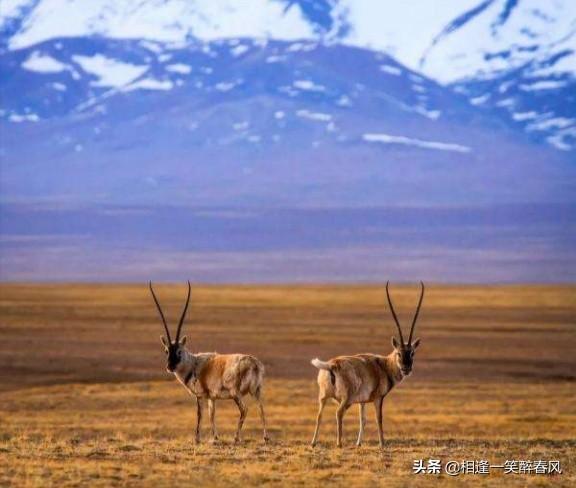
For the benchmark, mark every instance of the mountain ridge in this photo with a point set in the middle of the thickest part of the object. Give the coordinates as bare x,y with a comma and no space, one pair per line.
528,84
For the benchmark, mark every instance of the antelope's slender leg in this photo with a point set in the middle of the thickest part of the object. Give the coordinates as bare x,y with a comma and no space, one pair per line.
258,397
199,405
211,414
321,405
243,410
362,416
339,416
378,407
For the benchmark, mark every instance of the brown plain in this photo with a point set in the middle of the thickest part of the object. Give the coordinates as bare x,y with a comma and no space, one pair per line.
85,399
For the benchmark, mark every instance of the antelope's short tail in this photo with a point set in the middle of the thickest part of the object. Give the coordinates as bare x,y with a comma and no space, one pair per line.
325,366
320,364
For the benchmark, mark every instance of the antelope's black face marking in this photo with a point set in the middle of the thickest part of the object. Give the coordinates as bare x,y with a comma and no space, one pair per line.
174,353
405,360
174,356
405,355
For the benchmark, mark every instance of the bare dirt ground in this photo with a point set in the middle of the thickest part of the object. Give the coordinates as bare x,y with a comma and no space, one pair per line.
85,399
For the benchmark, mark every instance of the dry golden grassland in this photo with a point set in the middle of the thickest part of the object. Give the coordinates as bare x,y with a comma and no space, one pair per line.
85,399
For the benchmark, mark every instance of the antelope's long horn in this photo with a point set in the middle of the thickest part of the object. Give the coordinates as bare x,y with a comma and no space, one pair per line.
394,313
160,311
183,316
417,312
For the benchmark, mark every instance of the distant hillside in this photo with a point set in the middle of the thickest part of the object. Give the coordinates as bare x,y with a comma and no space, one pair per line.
248,122
514,58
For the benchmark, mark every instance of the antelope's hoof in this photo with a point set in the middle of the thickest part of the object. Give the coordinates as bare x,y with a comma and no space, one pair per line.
215,440
339,445
266,439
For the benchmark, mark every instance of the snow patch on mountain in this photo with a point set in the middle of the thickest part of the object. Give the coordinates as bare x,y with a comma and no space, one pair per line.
239,50
391,70
183,69
543,85
408,141
225,86
150,84
318,116
17,118
110,72
308,85
43,64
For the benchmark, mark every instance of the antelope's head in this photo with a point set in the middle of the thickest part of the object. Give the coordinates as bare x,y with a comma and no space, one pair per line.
404,351
174,349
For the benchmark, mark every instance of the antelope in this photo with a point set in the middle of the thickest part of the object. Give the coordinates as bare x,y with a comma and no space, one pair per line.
364,378
211,376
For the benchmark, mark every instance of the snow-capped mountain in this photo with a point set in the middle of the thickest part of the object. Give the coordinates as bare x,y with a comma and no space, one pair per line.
244,121
514,58
274,102
449,40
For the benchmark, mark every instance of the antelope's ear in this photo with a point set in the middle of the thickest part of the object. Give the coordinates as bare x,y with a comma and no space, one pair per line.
183,341
416,343
164,342
395,343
